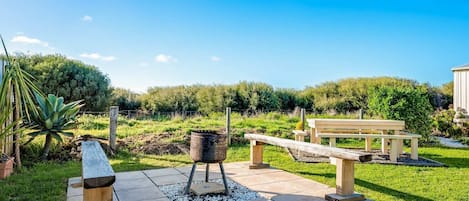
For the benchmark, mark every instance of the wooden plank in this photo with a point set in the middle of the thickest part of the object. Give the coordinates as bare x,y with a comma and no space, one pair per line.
97,172
368,141
400,137
357,124
394,150
311,148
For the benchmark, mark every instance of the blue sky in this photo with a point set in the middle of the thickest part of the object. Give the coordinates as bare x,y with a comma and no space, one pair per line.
288,44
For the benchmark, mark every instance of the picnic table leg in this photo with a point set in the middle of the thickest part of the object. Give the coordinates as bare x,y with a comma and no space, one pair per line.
332,142
384,143
394,150
312,135
400,144
414,144
368,144
257,155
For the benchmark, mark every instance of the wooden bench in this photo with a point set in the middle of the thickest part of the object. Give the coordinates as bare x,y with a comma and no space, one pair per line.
354,128
345,178
97,173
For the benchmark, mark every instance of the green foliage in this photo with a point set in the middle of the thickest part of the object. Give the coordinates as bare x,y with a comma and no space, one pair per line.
53,119
125,99
409,104
350,94
70,79
16,91
443,121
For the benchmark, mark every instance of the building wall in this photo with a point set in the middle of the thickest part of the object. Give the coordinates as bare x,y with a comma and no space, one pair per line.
461,89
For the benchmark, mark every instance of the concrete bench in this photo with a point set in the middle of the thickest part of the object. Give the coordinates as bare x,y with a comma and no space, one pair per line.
97,173
345,160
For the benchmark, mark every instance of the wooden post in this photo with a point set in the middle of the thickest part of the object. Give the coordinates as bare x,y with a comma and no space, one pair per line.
414,146
368,141
228,120
257,155
113,114
344,177
303,117
360,114
394,150
103,194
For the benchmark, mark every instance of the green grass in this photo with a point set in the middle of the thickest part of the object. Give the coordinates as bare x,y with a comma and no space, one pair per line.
47,181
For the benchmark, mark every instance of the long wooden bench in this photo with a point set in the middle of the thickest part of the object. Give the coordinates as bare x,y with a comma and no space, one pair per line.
97,173
390,131
345,160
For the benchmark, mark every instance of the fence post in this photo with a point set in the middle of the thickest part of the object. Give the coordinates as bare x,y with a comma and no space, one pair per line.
303,118
360,114
113,113
228,119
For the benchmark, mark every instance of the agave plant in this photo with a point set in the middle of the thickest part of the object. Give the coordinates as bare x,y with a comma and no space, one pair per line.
53,119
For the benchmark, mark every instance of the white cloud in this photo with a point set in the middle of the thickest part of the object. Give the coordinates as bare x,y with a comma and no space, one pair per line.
97,56
163,58
87,18
28,40
215,59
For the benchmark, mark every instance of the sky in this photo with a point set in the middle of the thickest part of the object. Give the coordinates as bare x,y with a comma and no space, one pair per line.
288,44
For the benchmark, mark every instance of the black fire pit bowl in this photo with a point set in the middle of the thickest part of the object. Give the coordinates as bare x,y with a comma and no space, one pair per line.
208,146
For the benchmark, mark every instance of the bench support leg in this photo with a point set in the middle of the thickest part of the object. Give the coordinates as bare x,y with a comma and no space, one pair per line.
394,150
414,146
368,144
332,142
102,193
344,176
257,155
384,145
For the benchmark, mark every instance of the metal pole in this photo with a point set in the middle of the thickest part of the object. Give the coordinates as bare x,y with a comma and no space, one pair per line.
303,118
228,119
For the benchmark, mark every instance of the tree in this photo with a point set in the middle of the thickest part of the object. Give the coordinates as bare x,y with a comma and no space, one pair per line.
125,99
70,79
404,103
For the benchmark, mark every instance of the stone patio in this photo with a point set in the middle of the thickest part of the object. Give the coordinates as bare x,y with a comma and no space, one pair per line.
272,184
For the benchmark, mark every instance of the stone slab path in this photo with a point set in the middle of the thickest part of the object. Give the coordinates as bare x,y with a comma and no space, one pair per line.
271,183
448,142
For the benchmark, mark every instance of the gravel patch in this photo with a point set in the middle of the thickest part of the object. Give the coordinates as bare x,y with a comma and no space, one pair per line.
448,142
377,157
237,192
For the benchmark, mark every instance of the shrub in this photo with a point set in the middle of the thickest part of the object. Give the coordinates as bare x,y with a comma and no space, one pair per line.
299,126
443,121
403,103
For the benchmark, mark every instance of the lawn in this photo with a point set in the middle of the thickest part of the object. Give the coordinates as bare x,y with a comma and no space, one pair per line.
47,181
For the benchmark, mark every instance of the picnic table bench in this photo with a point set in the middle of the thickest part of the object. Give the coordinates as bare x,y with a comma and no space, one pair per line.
345,160
97,173
389,131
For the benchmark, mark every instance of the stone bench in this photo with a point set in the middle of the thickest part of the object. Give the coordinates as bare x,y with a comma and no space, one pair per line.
97,173
345,160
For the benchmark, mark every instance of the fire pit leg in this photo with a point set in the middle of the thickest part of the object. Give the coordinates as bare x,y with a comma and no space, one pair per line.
206,171
224,178
188,187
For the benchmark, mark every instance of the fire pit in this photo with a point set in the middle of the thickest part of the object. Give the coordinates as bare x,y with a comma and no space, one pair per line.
207,147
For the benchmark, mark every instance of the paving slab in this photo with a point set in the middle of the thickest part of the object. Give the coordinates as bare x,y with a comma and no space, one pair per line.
270,183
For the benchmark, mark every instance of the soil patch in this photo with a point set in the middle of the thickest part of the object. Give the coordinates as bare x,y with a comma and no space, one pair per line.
153,144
